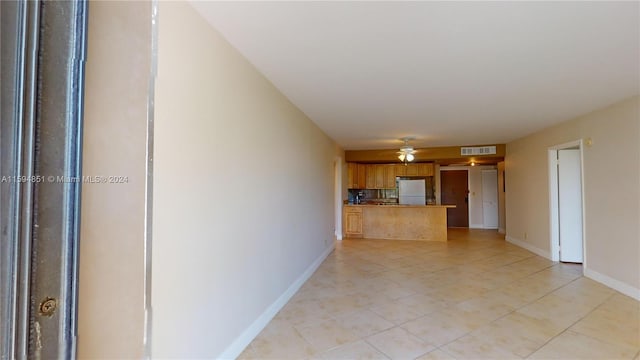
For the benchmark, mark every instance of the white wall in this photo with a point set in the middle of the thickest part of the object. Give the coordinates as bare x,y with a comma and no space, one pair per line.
111,288
243,193
612,197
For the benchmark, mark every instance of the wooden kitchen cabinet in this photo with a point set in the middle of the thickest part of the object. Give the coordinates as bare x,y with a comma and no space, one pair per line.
362,176
356,176
380,178
412,169
425,169
370,181
383,176
352,174
352,221
390,176
416,169
401,170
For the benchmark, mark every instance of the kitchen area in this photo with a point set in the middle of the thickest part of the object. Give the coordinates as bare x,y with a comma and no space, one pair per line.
394,202
427,191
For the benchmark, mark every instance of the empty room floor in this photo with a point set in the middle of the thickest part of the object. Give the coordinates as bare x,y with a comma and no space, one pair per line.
473,297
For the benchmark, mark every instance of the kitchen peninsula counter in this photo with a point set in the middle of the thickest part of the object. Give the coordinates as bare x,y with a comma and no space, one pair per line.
397,222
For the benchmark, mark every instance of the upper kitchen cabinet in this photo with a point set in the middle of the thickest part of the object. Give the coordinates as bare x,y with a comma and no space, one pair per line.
390,176
352,173
415,169
425,169
411,170
362,176
371,176
356,176
380,178
383,176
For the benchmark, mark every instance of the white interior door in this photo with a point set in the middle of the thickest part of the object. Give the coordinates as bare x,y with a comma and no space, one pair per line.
570,205
490,199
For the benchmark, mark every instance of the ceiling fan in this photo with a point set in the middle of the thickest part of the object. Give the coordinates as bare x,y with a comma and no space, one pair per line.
407,152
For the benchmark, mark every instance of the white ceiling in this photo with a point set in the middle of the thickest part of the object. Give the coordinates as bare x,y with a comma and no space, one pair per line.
448,73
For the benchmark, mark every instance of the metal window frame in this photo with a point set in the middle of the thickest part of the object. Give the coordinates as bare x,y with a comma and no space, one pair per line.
43,54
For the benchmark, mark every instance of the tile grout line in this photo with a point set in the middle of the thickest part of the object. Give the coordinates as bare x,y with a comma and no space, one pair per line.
572,324
373,272
512,312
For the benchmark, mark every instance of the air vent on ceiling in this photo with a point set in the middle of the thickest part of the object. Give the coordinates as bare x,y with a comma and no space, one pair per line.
478,150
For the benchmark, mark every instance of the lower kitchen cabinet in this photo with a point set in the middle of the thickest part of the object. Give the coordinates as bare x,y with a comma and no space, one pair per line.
352,221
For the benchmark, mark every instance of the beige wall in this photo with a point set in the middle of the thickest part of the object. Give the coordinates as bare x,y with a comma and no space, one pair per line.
611,177
111,309
243,192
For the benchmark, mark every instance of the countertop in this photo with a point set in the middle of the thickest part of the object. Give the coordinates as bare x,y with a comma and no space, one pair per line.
402,206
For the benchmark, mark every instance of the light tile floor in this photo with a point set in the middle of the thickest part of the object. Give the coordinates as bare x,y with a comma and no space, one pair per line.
474,297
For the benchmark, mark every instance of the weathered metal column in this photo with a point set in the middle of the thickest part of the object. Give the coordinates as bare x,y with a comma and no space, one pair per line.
43,52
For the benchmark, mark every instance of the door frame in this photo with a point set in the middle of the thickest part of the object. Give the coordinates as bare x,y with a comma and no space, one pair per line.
337,179
41,161
554,224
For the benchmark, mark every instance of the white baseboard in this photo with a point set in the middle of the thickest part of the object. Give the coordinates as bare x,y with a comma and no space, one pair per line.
236,348
481,226
594,275
502,231
613,283
527,246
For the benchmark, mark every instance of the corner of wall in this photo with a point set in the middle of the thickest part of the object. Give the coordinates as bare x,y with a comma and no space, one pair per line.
238,346
527,246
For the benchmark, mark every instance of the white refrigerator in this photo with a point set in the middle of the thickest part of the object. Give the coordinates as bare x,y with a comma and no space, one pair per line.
411,192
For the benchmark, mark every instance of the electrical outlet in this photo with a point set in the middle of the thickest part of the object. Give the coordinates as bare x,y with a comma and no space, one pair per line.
525,235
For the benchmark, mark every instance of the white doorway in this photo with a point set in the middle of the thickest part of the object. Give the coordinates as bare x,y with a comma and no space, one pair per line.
490,199
566,203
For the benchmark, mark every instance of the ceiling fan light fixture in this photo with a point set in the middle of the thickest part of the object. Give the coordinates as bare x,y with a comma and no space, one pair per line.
406,151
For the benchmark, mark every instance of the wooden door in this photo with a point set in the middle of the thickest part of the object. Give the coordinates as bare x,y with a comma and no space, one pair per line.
455,191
